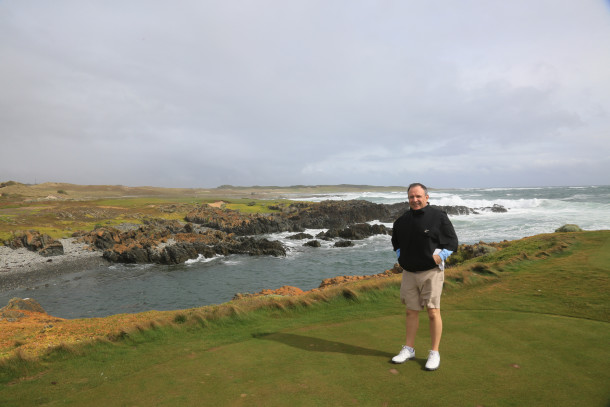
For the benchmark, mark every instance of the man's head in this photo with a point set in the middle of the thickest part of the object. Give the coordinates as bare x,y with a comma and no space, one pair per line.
418,196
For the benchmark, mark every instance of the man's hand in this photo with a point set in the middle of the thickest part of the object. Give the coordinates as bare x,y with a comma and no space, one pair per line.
437,259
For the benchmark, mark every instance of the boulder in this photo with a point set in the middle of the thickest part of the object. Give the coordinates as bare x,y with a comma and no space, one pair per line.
103,238
467,252
128,254
23,304
300,236
258,247
181,252
54,248
362,231
35,241
344,243
498,208
312,243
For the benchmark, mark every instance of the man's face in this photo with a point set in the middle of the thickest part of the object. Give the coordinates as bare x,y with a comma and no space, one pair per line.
417,198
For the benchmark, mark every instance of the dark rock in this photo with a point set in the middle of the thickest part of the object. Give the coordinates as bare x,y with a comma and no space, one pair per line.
103,238
300,236
344,243
354,232
181,252
498,209
130,254
455,209
339,214
231,221
329,234
396,210
54,248
362,231
258,247
294,218
312,243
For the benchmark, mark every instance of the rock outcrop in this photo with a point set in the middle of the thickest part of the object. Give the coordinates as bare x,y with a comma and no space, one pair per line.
299,216
398,209
358,231
35,241
157,244
343,243
300,236
213,230
230,221
13,310
294,218
470,251
312,243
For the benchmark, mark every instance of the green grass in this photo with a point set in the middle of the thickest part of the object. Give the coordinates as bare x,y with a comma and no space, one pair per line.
532,333
255,206
133,202
60,219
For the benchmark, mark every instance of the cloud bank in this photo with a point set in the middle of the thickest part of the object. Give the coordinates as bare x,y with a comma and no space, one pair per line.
201,93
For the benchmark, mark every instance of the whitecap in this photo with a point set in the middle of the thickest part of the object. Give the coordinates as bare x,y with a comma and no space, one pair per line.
202,259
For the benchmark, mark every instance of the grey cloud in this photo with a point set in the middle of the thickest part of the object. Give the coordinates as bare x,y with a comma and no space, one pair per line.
194,93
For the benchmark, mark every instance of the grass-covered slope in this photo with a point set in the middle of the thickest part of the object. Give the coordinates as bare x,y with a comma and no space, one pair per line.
60,209
525,326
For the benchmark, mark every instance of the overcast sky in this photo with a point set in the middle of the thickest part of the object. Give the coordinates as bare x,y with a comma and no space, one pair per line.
199,93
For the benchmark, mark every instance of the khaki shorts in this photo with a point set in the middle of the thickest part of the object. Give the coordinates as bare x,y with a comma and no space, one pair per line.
422,289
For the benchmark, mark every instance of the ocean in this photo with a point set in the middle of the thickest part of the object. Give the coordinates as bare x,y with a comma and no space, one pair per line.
122,288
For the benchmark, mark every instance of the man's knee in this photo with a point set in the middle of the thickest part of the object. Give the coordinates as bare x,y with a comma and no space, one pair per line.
412,314
434,313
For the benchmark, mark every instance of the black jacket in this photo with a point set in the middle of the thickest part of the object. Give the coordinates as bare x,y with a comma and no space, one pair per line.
418,233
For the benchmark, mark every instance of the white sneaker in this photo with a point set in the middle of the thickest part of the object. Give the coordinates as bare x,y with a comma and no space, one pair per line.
405,354
434,360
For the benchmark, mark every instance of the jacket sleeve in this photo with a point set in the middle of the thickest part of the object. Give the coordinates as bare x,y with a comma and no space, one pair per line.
395,244
448,238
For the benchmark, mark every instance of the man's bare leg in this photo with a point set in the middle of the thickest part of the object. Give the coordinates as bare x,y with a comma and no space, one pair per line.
436,327
412,326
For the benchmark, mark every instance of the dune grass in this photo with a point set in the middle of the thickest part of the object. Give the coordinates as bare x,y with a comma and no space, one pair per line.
60,219
526,326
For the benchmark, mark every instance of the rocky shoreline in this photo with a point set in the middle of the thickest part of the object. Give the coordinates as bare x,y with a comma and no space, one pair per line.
22,267
209,231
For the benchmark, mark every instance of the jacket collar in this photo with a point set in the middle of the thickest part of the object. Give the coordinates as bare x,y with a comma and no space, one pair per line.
420,211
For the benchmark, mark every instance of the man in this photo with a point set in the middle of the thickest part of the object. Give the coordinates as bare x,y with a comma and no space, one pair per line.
423,238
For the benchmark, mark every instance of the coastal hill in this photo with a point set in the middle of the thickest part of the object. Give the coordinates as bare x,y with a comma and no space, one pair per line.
65,191
60,209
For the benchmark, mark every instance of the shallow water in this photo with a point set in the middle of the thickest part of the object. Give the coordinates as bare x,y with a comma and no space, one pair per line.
135,288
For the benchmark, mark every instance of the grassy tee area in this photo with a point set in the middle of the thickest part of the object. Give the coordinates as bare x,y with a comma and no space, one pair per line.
528,325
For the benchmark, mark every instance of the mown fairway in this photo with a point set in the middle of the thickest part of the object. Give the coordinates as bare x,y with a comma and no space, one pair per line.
529,328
